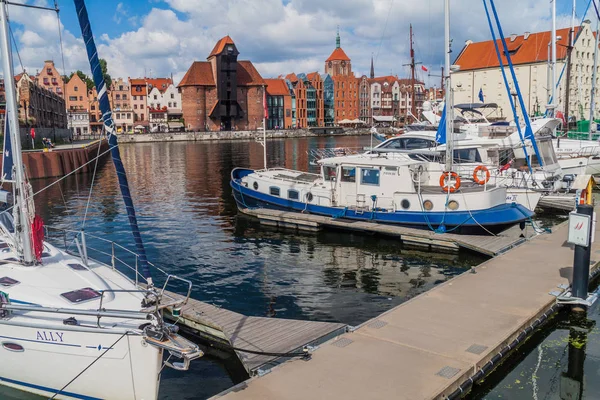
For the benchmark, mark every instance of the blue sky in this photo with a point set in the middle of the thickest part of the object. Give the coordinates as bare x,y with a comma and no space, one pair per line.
163,37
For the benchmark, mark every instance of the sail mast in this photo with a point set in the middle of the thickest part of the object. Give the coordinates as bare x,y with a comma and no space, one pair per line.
552,105
109,126
20,212
448,98
569,62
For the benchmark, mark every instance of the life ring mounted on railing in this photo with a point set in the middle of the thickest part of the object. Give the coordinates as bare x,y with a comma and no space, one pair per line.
476,175
450,182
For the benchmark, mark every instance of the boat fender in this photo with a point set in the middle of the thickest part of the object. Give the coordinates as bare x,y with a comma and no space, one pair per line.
445,182
481,169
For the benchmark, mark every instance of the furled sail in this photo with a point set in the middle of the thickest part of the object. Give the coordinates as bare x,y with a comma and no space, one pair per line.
103,100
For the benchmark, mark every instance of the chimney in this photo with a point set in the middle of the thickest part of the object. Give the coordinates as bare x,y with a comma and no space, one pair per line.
513,37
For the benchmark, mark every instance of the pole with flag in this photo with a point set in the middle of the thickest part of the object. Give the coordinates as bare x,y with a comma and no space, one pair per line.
481,95
265,116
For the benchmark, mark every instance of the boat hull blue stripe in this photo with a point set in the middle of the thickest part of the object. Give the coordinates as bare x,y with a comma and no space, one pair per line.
47,389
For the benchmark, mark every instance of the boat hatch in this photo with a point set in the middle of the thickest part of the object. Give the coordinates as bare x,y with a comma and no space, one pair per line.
77,267
7,282
81,295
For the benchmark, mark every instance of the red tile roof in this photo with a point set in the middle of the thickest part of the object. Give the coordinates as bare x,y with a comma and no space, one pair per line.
531,50
338,55
313,76
220,46
277,87
199,74
292,77
138,82
159,82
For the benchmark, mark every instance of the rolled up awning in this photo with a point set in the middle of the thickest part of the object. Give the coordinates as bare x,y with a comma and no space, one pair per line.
175,124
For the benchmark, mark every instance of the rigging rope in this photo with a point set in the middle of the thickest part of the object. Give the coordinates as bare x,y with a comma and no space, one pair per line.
87,206
384,29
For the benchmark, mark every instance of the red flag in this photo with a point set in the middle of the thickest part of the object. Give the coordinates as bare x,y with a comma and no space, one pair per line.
265,104
561,116
424,68
32,133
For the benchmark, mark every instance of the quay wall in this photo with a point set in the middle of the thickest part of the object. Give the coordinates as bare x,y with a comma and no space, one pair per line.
228,135
55,163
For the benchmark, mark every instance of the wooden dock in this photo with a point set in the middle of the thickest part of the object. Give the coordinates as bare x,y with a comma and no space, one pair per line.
487,245
426,347
274,336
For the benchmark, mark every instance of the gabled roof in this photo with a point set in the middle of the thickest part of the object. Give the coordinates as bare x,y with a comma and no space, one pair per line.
159,82
524,50
220,46
313,75
247,75
292,77
338,55
138,81
277,87
199,74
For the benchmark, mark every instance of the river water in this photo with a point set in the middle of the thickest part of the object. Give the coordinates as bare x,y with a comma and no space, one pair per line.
190,225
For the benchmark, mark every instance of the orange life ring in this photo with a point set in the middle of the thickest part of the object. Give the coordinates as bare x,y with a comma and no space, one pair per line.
476,175
583,197
445,177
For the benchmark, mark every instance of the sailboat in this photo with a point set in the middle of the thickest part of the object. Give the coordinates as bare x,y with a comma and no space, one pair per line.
390,188
72,327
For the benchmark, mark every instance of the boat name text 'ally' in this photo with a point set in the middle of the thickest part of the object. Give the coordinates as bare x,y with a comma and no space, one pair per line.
50,336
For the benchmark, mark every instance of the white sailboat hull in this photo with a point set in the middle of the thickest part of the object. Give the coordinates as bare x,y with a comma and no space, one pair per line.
52,358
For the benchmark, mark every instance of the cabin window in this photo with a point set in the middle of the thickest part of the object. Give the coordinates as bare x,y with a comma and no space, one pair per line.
80,295
405,204
329,173
274,191
348,174
466,156
418,143
293,194
255,185
370,177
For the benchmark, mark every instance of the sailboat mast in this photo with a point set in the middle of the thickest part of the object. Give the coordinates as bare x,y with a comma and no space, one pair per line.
448,98
594,77
413,109
569,61
553,45
20,212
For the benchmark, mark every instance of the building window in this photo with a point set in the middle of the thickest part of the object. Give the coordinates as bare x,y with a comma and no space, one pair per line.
76,88
124,97
120,87
118,97
135,106
138,88
172,95
175,104
142,117
170,104
155,97
128,115
72,98
369,176
135,97
49,71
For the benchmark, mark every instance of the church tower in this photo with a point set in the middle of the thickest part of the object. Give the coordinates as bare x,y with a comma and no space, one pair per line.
338,63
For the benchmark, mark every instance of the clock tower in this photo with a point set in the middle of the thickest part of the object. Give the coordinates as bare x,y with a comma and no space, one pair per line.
338,63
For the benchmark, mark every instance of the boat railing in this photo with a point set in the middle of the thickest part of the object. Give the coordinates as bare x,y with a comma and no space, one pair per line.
118,256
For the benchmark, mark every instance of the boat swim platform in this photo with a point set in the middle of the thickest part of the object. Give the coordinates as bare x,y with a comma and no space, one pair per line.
230,330
484,244
428,346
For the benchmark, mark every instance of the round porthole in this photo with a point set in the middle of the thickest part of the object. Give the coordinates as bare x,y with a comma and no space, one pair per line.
255,185
309,197
453,205
428,205
405,204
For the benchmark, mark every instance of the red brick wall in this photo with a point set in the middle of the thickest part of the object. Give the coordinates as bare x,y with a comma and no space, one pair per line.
346,100
255,107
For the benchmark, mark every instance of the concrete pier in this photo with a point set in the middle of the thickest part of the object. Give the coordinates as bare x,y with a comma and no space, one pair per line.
426,347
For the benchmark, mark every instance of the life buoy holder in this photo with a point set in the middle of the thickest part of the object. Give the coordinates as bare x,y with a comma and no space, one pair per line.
445,180
583,197
485,170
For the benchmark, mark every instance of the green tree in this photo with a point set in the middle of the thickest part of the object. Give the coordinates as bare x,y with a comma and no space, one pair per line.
105,74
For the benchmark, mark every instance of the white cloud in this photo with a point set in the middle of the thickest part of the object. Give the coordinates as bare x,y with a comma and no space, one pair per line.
280,37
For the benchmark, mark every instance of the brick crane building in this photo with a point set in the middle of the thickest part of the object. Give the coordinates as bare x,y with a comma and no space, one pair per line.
222,93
